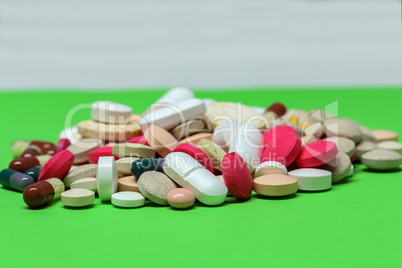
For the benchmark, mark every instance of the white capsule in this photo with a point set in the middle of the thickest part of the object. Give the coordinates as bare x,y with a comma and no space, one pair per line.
190,174
172,115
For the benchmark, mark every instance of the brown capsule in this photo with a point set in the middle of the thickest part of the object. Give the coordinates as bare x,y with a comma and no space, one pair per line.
278,108
30,151
24,163
45,147
43,192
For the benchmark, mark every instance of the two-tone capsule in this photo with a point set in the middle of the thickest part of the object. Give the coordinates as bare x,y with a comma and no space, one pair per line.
15,180
43,192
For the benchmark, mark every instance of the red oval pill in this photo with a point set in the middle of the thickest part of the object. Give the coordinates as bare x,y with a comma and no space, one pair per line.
197,154
316,154
62,145
284,150
237,176
57,166
103,151
271,135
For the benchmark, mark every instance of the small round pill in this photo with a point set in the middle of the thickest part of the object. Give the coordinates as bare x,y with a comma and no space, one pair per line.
128,199
78,197
85,183
180,198
380,159
275,185
395,146
312,179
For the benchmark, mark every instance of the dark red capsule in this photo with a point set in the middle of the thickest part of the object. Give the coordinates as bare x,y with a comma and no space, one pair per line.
24,163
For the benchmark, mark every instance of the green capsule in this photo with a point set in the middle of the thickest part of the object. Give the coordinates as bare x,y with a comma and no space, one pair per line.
34,172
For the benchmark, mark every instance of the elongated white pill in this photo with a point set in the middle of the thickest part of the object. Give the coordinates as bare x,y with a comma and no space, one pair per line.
190,174
174,114
106,176
110,112
175,95
312,179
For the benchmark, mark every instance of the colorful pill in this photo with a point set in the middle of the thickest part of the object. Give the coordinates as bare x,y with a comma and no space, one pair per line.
34,172
180,198
24,163
316,154
143,165
284,149
62,144
237,176
103,151
15,180
58,166
43,192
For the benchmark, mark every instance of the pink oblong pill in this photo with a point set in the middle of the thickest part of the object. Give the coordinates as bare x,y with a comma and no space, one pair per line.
316,154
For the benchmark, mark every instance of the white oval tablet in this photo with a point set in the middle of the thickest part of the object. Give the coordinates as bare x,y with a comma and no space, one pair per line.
77,197
174,114
106,176
128,199
395,146
85,183
110,112
312,179
190,174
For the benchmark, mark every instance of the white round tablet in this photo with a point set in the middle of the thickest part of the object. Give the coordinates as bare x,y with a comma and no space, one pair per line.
128,199
110,112
106,176
85,183
77,197
312,179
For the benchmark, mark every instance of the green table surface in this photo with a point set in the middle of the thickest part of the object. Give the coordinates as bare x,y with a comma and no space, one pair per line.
358,223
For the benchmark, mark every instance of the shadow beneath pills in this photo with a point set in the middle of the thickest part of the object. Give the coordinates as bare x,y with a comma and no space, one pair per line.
79,208
395,170
182,209
126,208
291,196
313,192
234,200
199,204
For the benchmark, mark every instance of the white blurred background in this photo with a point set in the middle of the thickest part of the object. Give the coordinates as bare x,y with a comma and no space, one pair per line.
204,44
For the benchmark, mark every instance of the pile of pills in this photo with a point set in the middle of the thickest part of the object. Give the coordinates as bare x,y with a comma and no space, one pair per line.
184,149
